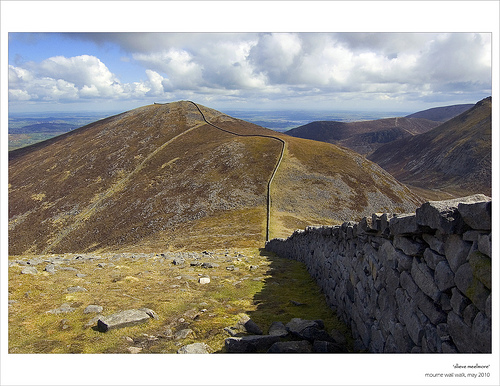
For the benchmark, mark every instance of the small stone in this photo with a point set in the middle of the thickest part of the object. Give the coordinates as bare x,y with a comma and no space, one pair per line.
50,268
194,348
209,265
29,271
64,308
76,289
183,334
250,343
134,350
204,280
92,309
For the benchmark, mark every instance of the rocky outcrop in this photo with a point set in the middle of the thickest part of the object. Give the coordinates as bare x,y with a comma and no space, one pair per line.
406,283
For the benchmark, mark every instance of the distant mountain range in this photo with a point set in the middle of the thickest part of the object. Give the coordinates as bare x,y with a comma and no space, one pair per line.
454,157
181,175
441,114
363,136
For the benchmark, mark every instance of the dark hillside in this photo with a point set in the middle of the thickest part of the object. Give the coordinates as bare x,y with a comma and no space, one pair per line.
454,157
363,136
441,114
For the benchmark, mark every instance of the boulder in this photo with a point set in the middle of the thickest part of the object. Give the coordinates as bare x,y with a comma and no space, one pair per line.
29,271
278,329
477,214
122,319
250,343
92,309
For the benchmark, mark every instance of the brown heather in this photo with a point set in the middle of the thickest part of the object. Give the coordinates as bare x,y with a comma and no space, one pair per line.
159,178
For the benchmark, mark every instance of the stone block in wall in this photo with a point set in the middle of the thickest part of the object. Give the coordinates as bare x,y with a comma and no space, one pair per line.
458,301
366,226
404,224
448,348
392,280
477,214
471,287
429,308
460,333
487,312
431,342
387,255
390,346
377,340
481,331
445,302
432,258
424,278
441,215
435,241
403,341
443,276
409,246
469,314
407,283
456,251
484,244
481,267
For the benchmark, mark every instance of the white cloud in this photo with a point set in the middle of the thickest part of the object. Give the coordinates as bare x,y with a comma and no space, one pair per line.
390,66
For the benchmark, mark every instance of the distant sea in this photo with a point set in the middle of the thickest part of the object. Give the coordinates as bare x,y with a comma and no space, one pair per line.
283,120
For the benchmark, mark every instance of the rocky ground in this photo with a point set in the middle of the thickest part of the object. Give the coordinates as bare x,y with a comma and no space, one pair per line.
170,302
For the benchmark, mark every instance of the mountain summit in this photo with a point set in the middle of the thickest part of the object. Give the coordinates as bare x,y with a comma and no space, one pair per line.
181,175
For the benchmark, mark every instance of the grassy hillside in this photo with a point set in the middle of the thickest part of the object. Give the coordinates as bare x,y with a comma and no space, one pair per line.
159,177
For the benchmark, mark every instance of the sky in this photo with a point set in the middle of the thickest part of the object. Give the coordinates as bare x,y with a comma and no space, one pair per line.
259,70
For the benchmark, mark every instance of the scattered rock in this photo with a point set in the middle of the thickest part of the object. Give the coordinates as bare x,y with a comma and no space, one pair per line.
194,348
250,343
92,309
29,271
134,350
209,265
50,268
182,334
204,280
76,289
249,325
278,329
178,261
64,308
122,319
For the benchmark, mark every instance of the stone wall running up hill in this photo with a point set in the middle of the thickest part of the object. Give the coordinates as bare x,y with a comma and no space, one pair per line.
406,283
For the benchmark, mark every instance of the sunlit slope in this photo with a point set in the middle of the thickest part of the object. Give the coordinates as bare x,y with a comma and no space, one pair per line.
319,183
159,177
454,157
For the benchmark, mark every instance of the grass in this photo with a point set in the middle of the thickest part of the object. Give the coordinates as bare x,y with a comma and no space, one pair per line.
260,286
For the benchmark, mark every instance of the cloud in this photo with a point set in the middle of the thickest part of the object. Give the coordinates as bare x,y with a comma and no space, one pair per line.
266,67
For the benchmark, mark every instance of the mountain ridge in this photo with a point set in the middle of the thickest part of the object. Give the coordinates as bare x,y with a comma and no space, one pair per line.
161,177
455,156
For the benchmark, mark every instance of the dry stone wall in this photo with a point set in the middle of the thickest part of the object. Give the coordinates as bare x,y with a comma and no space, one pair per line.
406,283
